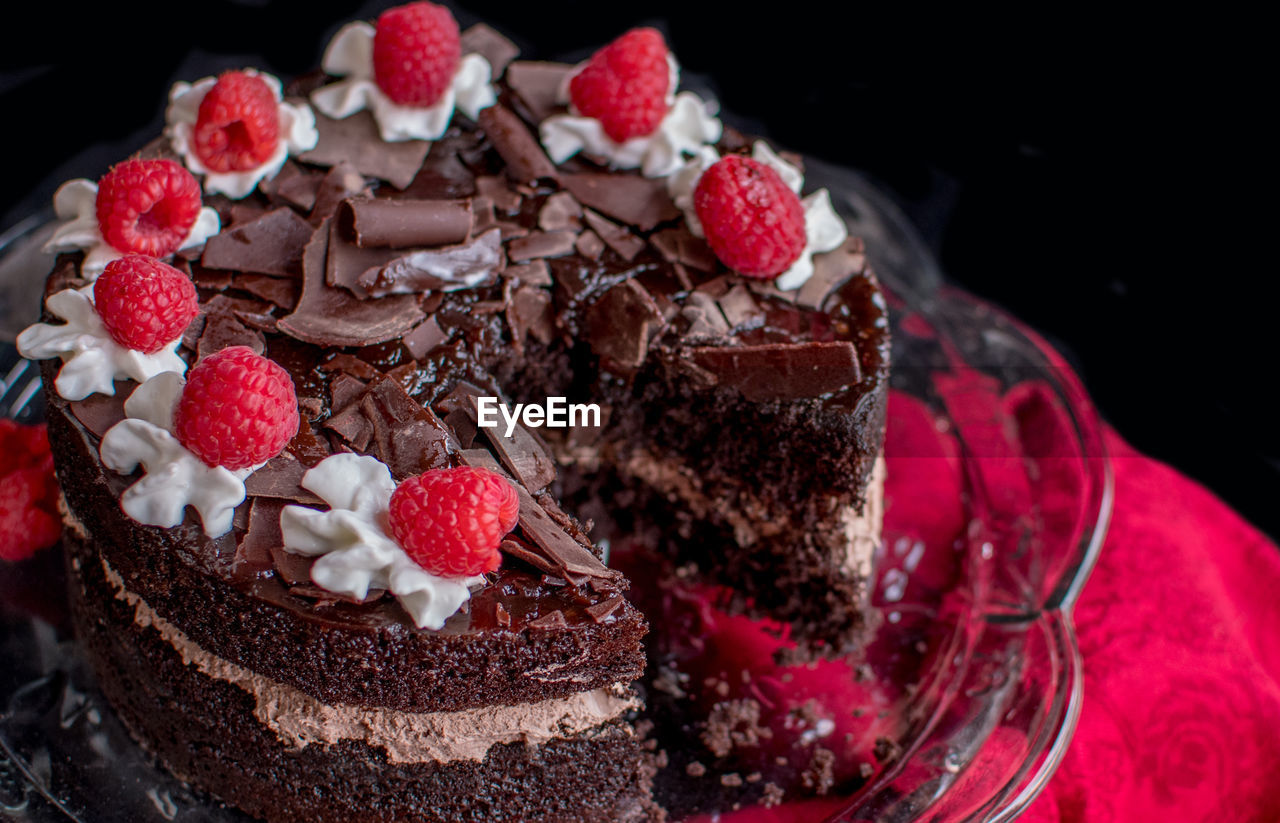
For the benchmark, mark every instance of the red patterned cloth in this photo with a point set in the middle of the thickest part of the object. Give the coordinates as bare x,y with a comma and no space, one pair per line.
1179,627
1180,630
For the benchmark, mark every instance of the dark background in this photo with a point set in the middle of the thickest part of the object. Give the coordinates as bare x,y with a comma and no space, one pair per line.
1103,178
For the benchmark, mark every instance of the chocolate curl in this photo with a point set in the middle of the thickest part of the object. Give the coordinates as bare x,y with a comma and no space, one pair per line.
403,224
526,161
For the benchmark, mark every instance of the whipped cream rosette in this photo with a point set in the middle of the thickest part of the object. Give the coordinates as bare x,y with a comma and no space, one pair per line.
824,230
350,56
75,203
353,544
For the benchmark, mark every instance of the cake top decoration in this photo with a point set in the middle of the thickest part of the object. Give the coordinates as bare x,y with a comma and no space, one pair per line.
624,109
237,130
150,207
428,541
750,208
197,440
127,325
408,71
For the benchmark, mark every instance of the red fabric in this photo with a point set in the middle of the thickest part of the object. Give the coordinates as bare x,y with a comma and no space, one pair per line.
1180,631
1179,624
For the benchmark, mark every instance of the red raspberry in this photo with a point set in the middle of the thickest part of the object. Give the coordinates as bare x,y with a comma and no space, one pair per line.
752,221
625,85
450,521
24,447
29,518
147,206
145,304
238,409
416,52
238,125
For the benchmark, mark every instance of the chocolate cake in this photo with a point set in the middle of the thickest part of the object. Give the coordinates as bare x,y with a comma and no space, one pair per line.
408,266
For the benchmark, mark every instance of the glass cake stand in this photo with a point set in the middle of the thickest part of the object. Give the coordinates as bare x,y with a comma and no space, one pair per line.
976,657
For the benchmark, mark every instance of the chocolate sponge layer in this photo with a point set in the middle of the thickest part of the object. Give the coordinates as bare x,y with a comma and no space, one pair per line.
204,730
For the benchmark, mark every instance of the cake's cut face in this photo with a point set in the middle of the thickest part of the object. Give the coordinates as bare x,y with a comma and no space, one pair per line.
406,610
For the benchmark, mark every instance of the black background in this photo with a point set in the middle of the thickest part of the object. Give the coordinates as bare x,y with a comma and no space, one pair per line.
1106,179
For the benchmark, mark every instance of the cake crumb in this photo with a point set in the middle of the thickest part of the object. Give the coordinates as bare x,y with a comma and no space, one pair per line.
695,769
773,794
820,775
733,724
731,780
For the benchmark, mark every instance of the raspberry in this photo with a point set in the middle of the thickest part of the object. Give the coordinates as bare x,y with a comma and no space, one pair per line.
145,304
147,206
238,125
24,447
450,521
752,221
237,410
625,85
28,512
416,53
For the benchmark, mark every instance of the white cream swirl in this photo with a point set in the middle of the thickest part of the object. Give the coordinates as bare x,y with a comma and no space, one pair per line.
350,56
174,477
690,124
75,202
356,552
91,360
824,229
297,134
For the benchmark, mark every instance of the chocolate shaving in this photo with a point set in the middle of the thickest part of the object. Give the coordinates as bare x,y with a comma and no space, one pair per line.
679,245
620,324
307,446
538,85
467,266
548,621
603,610
521,552
292,186
526,161
253,554
280,478
524,455
275,290
407,437
356,140
99,412
443,176
332,317
781,371
568,556
530,312
271,244
403,224
342,182
222,330
211,279
541,244
463,427
350,364
632,199
560,213
830,271
500,193
424,337
622,241
295,569
589,245
500,614
740,308
353,426
491,45
533,273
704,317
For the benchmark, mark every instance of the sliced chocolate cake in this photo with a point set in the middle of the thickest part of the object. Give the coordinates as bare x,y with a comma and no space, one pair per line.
338,544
